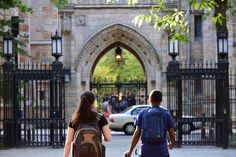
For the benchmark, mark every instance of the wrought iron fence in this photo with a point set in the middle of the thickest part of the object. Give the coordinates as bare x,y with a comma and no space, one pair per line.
197,97
125,87
33,110
232,94
1,107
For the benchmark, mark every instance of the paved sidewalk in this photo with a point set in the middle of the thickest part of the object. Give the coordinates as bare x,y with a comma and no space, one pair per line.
202,151
118,145
187,151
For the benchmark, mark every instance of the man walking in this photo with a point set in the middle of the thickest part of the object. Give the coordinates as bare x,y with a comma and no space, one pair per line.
152,126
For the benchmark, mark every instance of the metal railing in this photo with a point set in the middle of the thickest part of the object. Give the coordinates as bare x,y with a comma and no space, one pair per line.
32,112
198,97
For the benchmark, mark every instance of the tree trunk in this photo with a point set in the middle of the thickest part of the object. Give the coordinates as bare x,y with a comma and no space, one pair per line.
221,9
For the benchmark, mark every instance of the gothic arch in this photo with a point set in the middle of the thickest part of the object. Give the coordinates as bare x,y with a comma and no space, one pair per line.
111,36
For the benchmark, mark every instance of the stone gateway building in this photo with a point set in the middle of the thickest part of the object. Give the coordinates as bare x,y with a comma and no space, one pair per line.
90,28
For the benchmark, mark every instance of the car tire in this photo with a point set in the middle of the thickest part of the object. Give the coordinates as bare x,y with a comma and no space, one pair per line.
186,128
129,129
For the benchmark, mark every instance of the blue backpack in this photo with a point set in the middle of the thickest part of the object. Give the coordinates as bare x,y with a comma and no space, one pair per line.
153,125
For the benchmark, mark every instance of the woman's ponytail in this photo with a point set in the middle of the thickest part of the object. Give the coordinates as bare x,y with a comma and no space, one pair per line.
84,112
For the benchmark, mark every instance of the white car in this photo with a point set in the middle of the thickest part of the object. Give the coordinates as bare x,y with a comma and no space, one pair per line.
188,127
124,121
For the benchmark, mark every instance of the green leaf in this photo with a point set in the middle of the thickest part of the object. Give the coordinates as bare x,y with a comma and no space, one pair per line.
149,19
132,2
110,1
218,19
196,5
155,25
176,18
60,3
138,20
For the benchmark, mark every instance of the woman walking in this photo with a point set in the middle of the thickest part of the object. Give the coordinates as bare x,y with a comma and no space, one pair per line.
84,116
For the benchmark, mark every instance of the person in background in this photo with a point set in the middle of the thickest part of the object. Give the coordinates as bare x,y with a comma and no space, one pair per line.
114,103
123,103
131,99
105,106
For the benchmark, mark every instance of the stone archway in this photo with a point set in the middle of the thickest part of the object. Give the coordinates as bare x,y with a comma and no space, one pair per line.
110,36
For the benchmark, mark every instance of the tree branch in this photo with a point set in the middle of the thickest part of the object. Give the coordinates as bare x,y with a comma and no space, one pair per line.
222,8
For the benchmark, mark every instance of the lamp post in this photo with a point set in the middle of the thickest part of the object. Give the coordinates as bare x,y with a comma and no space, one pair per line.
10,94
174,81
58,74
8,47
118,55
56,46
173,48
222,46
222,84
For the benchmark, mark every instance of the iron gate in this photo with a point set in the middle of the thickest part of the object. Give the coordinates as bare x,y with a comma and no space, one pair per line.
138,88
198,97
33,108
232,95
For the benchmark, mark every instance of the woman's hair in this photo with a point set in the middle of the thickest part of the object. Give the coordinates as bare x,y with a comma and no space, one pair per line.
84,112
155,97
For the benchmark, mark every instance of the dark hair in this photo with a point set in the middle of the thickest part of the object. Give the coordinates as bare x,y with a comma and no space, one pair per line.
84,113
155,97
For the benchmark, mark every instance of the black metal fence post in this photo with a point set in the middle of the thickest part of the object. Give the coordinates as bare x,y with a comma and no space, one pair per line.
174,75
55,104
9,117
179,111
223,67
218,112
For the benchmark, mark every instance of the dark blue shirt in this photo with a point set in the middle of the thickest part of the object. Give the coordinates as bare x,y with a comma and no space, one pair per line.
156,150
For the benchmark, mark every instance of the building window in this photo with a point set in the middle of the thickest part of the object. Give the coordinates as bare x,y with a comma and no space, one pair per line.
15,25
198,27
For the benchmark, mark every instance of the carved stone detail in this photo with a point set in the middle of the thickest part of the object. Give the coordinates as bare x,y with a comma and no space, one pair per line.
80,20
66,20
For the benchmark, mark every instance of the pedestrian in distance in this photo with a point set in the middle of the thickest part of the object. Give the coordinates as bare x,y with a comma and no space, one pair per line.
131,99
123,103
86,129
152,125
105,106
114,103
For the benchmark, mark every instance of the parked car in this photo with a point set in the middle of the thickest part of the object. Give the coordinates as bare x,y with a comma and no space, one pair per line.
124,121
188,127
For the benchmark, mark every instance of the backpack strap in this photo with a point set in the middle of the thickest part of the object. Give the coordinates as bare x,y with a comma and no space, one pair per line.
98,116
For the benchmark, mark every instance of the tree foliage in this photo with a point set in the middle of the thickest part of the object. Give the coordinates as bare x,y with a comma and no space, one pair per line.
22,7
6,23
174,20
8,4
129,69
60,3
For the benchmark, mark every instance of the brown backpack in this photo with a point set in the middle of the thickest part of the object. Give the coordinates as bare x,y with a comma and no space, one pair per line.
88,140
